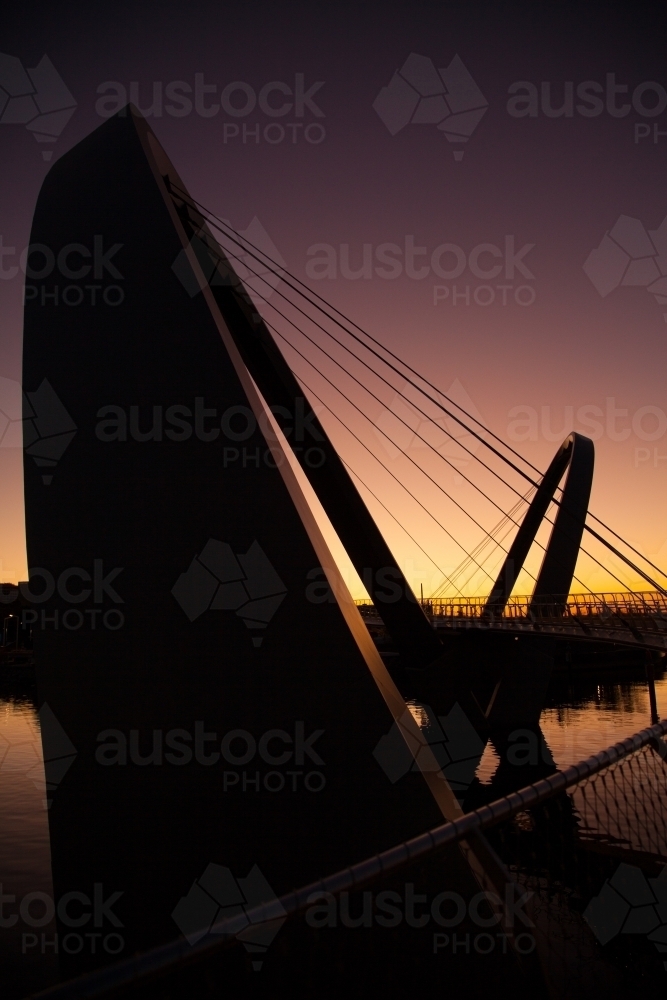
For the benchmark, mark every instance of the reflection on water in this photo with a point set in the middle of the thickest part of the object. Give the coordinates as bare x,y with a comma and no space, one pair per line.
24,831
419,714
25,864
581,717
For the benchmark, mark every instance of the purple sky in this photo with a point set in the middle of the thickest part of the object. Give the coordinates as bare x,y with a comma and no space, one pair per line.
339,178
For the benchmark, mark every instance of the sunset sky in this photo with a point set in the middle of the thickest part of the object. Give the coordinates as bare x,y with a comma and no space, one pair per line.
321,179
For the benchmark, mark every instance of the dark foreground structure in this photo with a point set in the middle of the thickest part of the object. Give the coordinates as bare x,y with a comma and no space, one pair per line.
208,720
586,847
219,729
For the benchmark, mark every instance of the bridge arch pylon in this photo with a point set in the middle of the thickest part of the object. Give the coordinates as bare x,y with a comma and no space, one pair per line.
577,456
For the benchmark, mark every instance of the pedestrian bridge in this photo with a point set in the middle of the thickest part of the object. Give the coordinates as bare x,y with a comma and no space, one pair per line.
638,618
394,425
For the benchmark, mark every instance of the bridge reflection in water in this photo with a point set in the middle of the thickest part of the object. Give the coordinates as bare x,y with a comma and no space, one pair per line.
585,847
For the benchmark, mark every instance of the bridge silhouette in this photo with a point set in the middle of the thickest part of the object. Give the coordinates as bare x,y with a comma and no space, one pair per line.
344,357
319,374
272,349
638,619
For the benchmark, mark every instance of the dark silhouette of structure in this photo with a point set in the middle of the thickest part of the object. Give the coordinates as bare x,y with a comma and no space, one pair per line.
577,456
195,743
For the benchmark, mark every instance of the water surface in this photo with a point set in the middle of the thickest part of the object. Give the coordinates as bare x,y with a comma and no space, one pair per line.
581,717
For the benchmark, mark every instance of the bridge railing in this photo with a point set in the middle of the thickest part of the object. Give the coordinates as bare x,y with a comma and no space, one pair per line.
605,608
585,846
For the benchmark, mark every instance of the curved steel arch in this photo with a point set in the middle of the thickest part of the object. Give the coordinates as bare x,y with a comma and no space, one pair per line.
577,455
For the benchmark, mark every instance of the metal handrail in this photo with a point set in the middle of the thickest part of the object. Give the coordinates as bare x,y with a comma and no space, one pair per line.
648,604
159,960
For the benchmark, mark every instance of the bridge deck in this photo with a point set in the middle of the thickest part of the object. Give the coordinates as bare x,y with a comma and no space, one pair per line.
632,619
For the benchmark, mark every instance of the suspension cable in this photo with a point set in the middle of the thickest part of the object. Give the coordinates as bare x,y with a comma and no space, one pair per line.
364,445
427,416
442,457
310,294
383,505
